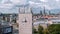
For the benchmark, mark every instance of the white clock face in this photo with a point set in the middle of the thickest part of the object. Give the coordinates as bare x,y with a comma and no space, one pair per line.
24,20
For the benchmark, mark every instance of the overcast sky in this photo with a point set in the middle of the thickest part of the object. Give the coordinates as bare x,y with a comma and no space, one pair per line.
7,6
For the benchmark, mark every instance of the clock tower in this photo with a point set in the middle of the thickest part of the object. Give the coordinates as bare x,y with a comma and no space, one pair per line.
25,20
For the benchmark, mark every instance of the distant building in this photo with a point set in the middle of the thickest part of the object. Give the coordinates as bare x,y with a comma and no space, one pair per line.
8,18
54,20
43,23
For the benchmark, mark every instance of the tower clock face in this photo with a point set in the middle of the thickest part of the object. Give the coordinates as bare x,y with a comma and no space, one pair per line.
24,20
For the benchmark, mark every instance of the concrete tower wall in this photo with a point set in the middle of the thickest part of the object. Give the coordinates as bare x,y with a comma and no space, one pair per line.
25,27
25,20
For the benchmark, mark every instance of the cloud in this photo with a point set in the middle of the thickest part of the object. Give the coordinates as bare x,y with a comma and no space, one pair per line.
11,3
57,0
31,2
34,3
9,11
6,6
15,1
44,0
19,2
37,5
47,7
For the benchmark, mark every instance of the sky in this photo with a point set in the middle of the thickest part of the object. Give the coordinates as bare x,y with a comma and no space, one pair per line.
9,6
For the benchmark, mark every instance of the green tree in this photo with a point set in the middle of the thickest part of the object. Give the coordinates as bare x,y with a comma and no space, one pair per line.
34,31
54,29
40,29
45,31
